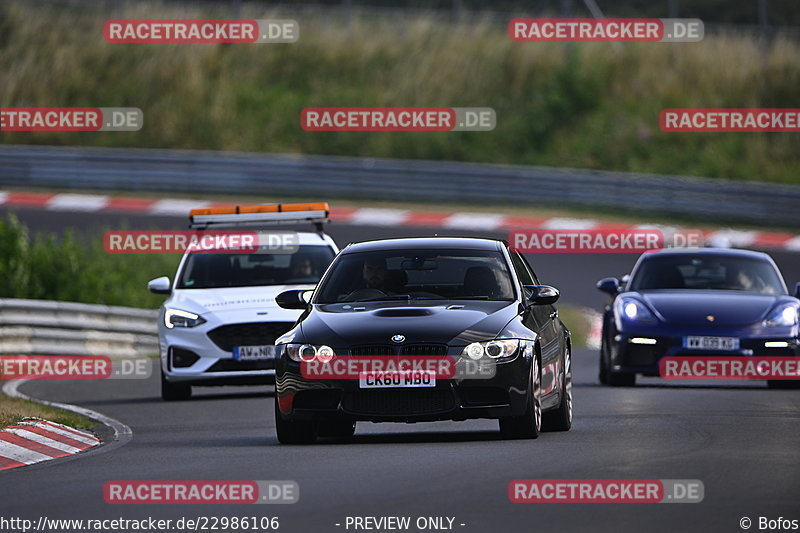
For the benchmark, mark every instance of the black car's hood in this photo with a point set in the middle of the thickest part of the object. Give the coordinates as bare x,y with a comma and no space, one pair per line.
455,323
726,307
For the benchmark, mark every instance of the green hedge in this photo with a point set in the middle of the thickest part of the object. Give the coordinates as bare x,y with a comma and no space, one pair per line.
51,268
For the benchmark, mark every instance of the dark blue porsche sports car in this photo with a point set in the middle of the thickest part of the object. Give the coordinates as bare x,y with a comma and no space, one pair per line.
690,302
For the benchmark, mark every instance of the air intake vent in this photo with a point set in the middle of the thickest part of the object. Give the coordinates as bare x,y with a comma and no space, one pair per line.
248,334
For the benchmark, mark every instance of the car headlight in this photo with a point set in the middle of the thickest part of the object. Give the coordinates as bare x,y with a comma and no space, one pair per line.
633,309
497,349
177,318
783,315
309,352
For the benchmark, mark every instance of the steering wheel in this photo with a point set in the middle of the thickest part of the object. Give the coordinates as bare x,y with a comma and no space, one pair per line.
365,294
424,294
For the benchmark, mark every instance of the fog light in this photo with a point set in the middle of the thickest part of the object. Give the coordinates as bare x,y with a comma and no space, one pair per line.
641,340
776,344
183,358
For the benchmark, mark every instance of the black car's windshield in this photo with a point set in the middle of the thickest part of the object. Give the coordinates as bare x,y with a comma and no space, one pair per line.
423,275
213,271
704,271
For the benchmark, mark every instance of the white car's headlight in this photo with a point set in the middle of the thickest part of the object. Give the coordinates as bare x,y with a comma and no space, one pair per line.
309,352
783,315
177,318
497,349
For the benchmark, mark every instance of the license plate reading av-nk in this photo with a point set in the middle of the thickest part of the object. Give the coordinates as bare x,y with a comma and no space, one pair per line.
711,343
381,380
253,353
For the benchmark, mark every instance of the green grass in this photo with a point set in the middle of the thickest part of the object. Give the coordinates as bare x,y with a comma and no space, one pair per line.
14,410
576,321
45,267
584,105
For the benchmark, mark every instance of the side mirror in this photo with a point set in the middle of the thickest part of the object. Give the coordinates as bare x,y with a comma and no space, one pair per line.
610,286
797,290
541,294
159,285
294,299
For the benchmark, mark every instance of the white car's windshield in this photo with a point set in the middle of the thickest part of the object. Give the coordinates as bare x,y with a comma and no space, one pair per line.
211,271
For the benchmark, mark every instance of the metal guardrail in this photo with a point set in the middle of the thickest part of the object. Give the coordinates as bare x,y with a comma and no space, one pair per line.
45,327
394,179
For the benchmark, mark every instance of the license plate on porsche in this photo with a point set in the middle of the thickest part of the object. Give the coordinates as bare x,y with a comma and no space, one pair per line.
385,380
254,353
711,343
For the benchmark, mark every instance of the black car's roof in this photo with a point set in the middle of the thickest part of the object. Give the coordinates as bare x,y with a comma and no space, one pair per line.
730,252
406,243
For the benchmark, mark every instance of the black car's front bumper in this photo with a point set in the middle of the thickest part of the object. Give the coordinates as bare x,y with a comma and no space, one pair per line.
629,356
504,394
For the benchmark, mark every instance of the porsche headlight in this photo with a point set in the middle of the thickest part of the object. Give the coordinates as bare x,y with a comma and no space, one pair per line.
633,309
177,318
497,349
782,316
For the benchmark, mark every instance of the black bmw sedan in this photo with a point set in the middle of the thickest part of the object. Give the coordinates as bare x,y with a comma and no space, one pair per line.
424,329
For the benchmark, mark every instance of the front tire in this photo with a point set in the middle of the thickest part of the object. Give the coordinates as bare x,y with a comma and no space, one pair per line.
174,392
614,379
561,418
602,373
529,425
294,431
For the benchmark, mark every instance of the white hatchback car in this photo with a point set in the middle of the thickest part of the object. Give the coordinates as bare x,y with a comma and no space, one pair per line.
219,324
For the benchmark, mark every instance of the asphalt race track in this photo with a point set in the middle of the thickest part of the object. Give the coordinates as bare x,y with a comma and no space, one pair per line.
741,441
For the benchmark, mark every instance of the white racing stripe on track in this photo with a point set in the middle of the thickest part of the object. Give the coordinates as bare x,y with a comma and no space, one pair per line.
379,217
477,221
793,244
20,454
176,207
41,439
86,438
77,202
570,223
728,238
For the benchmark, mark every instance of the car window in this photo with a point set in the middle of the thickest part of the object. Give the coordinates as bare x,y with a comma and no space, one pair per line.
207,271
427,274
707,272
523,272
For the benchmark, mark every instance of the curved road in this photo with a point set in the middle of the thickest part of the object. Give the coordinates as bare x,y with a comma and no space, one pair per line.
740,441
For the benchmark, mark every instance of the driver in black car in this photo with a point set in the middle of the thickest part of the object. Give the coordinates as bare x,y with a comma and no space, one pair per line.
374,274
374,281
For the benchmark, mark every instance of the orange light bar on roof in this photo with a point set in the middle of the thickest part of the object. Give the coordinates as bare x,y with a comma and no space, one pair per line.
263,214
261,208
